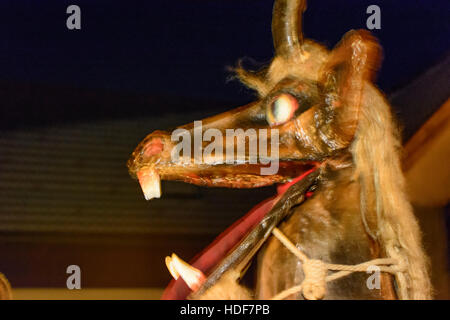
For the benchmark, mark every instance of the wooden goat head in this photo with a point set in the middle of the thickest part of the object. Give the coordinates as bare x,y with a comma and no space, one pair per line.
311,97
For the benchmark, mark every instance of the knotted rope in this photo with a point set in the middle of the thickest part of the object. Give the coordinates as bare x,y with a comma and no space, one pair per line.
316,275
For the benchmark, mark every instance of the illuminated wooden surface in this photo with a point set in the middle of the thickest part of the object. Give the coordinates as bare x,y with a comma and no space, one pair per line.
87,294
426,163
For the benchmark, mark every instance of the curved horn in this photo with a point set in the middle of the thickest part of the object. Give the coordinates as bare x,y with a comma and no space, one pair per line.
287,25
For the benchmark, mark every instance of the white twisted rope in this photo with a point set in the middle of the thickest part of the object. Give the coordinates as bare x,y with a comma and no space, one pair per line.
313,286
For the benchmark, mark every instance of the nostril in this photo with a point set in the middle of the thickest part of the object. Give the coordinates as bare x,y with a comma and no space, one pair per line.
155,146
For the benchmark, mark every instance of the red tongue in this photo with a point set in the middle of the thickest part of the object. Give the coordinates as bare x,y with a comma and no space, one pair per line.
211,255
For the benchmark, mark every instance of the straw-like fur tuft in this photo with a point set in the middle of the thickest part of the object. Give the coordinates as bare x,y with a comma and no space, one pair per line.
376,155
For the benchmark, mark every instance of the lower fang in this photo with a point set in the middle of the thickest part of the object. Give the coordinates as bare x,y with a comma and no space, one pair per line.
171,268
193,277
150,183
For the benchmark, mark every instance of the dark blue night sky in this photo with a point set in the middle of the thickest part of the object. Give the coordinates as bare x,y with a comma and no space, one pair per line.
182,47
65,193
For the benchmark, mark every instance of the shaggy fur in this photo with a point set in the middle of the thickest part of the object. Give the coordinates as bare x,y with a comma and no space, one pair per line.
376,155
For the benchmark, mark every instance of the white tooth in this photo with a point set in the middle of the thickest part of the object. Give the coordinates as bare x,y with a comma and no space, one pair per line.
193,277
172,270
150,183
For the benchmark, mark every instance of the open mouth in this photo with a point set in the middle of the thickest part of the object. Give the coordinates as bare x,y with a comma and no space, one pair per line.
234,248
247,160
247,233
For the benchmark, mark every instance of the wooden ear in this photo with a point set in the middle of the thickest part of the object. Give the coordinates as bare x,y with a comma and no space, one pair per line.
351,64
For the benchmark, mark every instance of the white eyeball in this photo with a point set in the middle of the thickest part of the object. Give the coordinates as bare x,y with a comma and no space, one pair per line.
281,109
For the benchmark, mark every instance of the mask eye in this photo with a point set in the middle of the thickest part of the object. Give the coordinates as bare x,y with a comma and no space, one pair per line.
281,109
